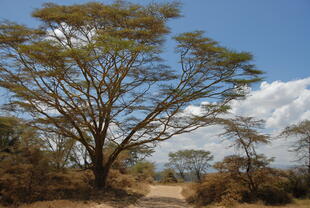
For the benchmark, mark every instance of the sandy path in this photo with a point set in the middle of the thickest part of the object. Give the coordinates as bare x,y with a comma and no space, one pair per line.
161,196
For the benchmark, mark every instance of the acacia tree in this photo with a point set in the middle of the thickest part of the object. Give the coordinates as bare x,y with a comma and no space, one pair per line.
196,161
14,133
178,162
60,149
245,136
302,145
93,73
9,133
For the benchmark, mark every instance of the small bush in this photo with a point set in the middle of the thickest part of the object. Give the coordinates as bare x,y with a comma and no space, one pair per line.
221,188
143,171
168,176
272,195
298,183
27,176
217,188
117,180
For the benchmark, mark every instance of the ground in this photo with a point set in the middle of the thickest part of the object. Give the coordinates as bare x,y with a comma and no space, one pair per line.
160,196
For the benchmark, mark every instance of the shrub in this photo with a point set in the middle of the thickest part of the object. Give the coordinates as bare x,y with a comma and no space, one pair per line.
298,183
27,176
143,171
217,188
272,195
23,176
168,176
221,188
118,180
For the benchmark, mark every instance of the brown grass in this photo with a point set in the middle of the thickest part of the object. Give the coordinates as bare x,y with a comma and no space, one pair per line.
305,203
115,198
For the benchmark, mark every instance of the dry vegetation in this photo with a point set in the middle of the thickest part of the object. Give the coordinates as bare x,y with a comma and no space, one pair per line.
296,204
222,189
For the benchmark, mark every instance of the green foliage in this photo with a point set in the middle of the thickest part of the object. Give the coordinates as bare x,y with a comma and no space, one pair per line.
196,161
248,166
89,73
298,183
118,180
273,195
13,133
168,176
143,171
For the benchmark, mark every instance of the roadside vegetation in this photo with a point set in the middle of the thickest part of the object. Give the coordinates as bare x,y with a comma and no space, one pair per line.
247,176
89,97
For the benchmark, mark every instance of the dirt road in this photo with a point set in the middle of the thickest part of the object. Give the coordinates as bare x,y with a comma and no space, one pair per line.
161,196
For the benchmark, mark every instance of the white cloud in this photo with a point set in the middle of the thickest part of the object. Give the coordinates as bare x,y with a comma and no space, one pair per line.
278,103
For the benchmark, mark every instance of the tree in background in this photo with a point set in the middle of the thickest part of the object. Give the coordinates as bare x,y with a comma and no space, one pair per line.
199,162
143,171
59,149
245,136
93,73
178,162
302,145
14,133
168,176
195,161
9,133
139,154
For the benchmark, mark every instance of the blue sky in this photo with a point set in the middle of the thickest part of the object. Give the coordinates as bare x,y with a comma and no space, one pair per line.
276,32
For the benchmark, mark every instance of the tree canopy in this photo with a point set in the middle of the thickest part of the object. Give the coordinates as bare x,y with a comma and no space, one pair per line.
195,161
246,136
93,72
301,146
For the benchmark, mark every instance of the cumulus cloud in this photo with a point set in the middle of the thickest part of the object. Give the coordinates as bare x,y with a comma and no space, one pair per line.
278,103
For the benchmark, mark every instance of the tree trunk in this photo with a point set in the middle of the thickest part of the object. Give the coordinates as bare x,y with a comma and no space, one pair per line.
182,175
99,169
101,177
198,175
101,172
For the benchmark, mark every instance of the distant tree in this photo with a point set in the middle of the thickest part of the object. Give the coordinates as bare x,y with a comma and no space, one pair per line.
9,133
245,136
237,167
168,176
138,154
199,162
196,161
92,72
302,144
14,133
178,162
143,170
79,157
59,149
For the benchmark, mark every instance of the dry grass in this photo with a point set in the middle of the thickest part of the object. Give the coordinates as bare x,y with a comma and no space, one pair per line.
297,204
112,199
65,204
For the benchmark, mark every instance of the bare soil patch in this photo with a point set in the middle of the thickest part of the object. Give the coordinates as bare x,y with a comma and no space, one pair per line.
162,196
